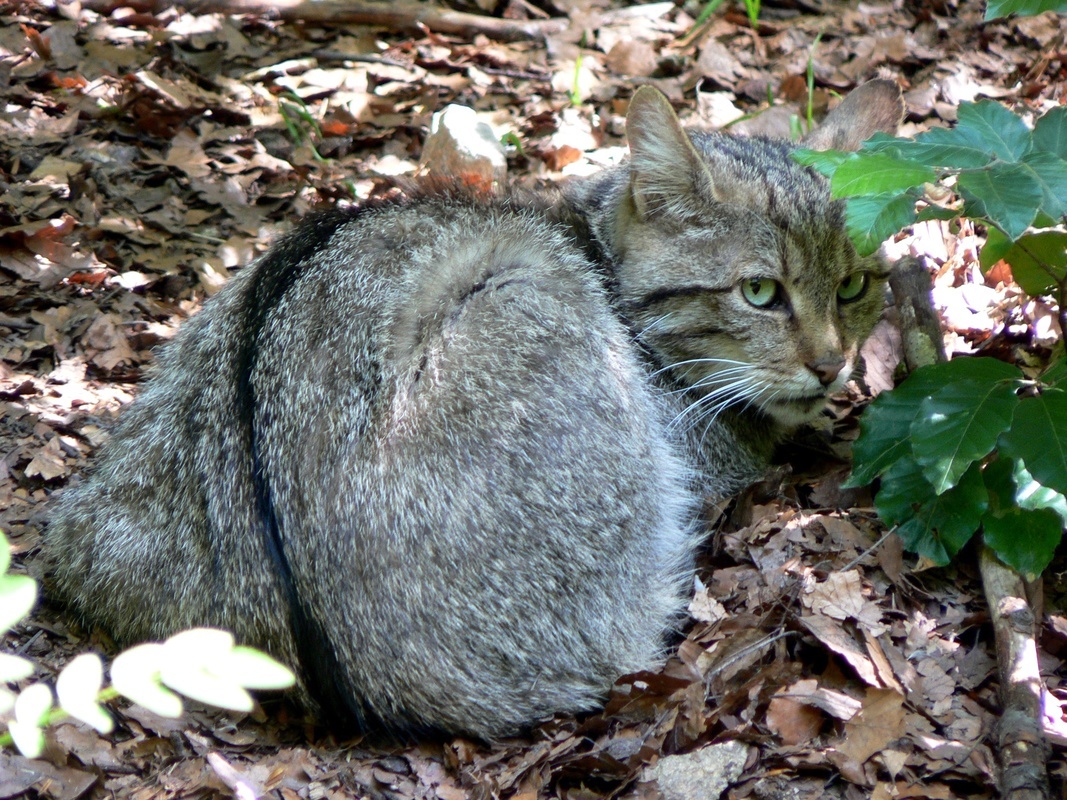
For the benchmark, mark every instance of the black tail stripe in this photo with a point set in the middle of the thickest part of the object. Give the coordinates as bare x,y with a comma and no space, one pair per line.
275,275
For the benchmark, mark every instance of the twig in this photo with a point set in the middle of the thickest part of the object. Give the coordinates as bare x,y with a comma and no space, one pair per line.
854,562
1022,749
395,16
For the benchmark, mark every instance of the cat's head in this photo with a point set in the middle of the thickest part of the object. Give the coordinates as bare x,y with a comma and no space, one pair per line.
734,265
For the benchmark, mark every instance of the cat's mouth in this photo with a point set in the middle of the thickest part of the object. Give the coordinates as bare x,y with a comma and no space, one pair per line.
806,400
794,411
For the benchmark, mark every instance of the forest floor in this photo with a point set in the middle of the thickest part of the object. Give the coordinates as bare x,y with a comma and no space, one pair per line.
146,152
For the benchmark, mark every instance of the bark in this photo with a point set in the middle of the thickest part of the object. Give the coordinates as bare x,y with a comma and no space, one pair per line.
1022,749
920,327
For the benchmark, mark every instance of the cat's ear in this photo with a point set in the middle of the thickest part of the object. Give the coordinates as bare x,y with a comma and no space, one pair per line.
875,106
666,172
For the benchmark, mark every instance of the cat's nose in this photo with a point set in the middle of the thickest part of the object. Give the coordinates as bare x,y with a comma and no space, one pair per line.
827,369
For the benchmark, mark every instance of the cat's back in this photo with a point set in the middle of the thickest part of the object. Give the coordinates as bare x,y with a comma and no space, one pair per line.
403,430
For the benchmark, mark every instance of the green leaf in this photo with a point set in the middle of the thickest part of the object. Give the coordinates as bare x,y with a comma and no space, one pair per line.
885,427
1050,131
825,162
999,477
1038,260
195,664
78,687
14,668
1008,195
256,670
1056,372
135,674
996,247
1038,438
31,706
18,593
1024,521
939,147
1032,495
937,212
1002,8
873,219
1050,173
934,526
1003,132
885,430
878,173
904,491
1024,540
958,425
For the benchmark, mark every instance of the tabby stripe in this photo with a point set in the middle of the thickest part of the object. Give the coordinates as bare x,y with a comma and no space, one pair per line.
276,274
660,295
696,333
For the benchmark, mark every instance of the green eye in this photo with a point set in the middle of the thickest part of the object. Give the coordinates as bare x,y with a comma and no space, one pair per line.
852,287
761,292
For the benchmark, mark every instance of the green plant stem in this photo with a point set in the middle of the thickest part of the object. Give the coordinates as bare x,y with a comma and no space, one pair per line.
1061,311
706,13
811,81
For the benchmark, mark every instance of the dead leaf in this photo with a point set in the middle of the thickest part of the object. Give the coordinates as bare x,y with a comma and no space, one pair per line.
57,169
795,722
839,641
19,775
879,723
107,344
840,597
48,463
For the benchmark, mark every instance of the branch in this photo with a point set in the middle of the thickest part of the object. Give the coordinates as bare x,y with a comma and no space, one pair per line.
394,16
1021,747
920,328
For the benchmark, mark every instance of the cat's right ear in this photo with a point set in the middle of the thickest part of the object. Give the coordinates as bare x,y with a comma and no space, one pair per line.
666,172
876,106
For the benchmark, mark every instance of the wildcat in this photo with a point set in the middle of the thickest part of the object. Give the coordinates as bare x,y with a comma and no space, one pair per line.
443,455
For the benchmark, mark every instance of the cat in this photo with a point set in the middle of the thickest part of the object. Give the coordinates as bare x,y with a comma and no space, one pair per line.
444,455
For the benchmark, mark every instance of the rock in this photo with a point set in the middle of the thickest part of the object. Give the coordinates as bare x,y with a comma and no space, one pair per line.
701,775
462,146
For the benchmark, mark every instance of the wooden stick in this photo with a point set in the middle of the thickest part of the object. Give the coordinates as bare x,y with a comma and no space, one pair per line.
1022,748
920,328
394,16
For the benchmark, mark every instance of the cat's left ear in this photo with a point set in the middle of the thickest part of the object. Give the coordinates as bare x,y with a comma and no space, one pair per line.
666,172
876,106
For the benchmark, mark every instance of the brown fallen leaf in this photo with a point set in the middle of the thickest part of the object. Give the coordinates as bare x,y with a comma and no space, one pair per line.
808,692
48,462
839,641
109,343
794,722
879,722
19,775
840,597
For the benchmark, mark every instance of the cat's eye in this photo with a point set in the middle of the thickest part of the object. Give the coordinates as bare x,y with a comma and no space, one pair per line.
761,292
853,287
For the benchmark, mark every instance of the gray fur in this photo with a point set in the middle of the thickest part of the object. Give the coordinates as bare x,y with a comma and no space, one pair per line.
438,455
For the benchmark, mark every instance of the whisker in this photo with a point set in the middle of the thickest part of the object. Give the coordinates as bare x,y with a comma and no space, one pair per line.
653,325
719,399
700,361
712,415
711,380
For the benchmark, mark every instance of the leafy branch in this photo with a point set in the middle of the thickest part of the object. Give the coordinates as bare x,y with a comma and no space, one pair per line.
974,444
202,663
